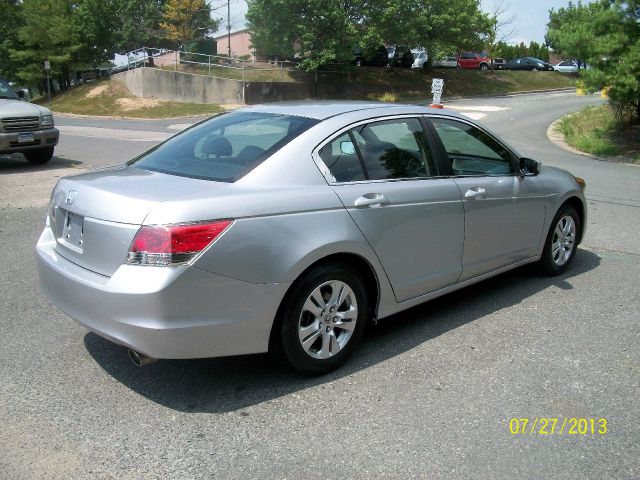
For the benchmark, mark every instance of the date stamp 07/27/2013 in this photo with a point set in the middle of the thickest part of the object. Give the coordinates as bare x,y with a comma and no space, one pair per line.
558,426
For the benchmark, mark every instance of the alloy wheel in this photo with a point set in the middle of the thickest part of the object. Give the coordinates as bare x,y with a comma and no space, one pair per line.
564,239
328,319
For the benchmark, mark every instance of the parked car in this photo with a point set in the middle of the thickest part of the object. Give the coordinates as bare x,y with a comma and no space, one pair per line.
498,63
528,63
445,62
284,228
421,60
377,57
25,127
402,57
477,60
566,66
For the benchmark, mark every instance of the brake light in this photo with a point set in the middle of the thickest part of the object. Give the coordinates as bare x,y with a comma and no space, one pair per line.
173,244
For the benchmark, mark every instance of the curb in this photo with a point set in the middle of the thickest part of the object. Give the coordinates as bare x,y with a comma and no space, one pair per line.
111,117
514,94
557,138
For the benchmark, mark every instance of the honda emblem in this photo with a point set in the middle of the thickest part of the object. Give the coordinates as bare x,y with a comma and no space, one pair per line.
71,196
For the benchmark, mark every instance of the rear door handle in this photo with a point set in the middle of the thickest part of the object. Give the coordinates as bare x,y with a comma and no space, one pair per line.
475,192
371,200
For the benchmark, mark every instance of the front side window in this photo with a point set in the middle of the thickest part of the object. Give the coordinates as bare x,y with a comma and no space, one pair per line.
224,148
471,151
390,149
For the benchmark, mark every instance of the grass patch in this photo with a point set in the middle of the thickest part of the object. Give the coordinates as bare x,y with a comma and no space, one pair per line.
386,97
594,130
109,98
407,84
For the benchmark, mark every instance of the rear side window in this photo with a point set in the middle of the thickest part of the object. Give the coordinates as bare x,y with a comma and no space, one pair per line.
390,149
224,148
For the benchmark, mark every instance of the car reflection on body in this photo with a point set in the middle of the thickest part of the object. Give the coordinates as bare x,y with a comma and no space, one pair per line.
288,227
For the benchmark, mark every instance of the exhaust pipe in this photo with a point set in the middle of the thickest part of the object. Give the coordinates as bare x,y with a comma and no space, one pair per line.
139,359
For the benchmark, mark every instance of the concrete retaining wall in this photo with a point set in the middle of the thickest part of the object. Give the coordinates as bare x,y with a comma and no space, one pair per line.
190,88
180,87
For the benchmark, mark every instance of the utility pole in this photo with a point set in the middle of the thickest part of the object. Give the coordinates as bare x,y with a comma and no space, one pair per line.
229,28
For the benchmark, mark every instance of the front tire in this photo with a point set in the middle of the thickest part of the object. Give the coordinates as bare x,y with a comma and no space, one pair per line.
562,241
40,156
321,320
484,67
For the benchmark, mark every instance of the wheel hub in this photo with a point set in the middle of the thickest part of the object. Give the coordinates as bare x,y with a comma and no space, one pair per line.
328,319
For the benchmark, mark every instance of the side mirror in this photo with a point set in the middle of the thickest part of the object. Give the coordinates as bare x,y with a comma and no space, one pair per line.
529,167
20,94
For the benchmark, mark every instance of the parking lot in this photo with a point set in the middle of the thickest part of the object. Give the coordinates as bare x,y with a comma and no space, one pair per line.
430,394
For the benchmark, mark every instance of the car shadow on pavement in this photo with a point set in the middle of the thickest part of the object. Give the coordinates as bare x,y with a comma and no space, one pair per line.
16,163
232,383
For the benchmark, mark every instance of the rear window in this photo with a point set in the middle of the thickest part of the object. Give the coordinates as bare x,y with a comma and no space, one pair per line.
224,148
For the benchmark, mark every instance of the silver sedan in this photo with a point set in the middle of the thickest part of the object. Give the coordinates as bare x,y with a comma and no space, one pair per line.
288,227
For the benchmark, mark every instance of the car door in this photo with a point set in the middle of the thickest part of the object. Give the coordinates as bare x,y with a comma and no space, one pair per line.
504,211
384,173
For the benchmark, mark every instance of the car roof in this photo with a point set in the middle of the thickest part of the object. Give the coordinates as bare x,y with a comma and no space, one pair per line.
322,110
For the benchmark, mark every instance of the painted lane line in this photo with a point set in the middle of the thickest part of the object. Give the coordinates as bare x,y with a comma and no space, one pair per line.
478,108
114,134
474,115
179,126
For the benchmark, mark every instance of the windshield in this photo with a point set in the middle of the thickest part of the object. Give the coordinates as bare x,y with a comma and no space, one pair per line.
224,148
6,91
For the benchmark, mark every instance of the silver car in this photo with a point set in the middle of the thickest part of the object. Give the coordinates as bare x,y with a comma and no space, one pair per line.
288,227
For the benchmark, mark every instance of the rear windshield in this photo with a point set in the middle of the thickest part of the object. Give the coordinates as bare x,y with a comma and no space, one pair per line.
224,148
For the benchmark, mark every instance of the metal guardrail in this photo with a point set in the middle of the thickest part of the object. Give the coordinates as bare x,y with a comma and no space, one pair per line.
160,57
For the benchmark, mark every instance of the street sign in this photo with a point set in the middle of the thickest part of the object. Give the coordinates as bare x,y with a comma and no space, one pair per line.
47,65
437,84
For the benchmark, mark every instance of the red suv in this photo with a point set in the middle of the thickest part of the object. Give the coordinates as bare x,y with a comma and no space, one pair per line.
478,60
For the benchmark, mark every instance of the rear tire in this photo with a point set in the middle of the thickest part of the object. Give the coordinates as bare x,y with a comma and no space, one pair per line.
321,320
40,156
562,241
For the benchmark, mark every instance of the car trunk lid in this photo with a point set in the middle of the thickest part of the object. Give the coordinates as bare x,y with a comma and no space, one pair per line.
95,216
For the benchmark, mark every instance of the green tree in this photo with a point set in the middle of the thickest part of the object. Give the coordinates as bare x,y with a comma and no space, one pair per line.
137,24
47,34
96,25
184,21
607,35
11,15
327,31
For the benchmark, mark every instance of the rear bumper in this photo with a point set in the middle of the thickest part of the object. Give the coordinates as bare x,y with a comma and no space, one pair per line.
162,312
41,139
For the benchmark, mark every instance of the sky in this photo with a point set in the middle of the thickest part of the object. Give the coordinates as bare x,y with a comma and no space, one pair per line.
531,16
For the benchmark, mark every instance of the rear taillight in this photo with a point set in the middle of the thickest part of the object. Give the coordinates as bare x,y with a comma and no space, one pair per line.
173,244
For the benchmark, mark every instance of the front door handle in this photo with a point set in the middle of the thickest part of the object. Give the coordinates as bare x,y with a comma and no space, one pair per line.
475,192
371,200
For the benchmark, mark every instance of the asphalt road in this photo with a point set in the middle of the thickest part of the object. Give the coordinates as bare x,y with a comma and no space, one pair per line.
429,395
